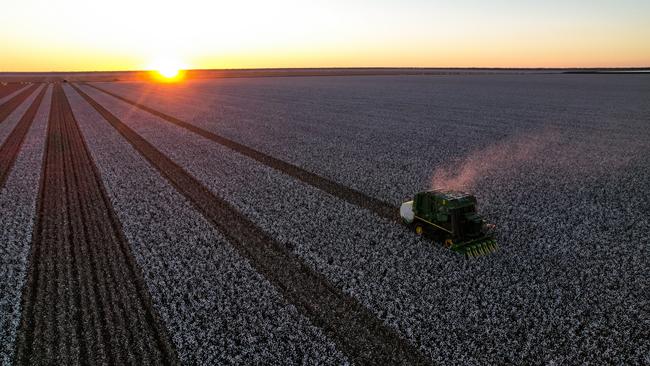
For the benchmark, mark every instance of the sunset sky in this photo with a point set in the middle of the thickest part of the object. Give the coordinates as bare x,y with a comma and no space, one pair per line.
67,35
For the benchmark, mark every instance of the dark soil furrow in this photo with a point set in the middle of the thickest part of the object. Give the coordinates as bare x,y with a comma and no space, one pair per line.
9,106
71,258
83,292
379,207
9,150
357,332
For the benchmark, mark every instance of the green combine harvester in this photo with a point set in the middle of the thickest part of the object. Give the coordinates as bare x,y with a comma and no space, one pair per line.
451,218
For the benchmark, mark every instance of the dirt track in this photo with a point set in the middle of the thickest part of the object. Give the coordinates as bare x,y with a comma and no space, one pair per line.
84,301
358,333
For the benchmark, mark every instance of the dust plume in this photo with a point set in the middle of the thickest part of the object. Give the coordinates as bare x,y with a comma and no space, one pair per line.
502,156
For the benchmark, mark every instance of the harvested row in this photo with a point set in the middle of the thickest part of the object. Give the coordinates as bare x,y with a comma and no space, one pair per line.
9,88
18,204
350,195
84,299
217,308
357,332
9,106
568,286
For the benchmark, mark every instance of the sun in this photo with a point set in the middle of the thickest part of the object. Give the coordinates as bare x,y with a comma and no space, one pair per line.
169,72
167,69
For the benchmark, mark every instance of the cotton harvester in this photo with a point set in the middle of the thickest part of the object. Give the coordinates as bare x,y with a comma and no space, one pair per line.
451,218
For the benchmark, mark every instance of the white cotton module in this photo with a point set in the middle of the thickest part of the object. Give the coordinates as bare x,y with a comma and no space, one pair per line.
406,211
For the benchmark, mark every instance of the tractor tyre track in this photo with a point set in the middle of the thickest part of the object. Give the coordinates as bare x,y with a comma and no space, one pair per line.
9,106
356,331
9,150
85,300
379,207
9,88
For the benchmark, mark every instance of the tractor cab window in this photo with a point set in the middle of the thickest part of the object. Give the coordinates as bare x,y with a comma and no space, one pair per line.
428,204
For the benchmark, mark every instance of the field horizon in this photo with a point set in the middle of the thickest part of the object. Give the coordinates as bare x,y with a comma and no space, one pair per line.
124,75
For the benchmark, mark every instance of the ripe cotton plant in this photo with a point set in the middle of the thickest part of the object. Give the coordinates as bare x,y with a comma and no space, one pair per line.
499,158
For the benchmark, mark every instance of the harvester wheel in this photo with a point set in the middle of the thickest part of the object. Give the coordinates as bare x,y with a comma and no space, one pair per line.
419,229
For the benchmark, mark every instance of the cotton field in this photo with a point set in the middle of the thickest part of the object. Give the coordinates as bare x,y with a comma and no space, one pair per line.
255,220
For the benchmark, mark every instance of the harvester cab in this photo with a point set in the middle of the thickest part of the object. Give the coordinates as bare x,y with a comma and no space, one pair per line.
450,217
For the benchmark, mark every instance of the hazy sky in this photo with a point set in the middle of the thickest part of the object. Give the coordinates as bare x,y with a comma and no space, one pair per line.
130,34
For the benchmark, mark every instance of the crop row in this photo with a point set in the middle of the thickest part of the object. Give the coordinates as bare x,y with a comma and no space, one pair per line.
18,195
